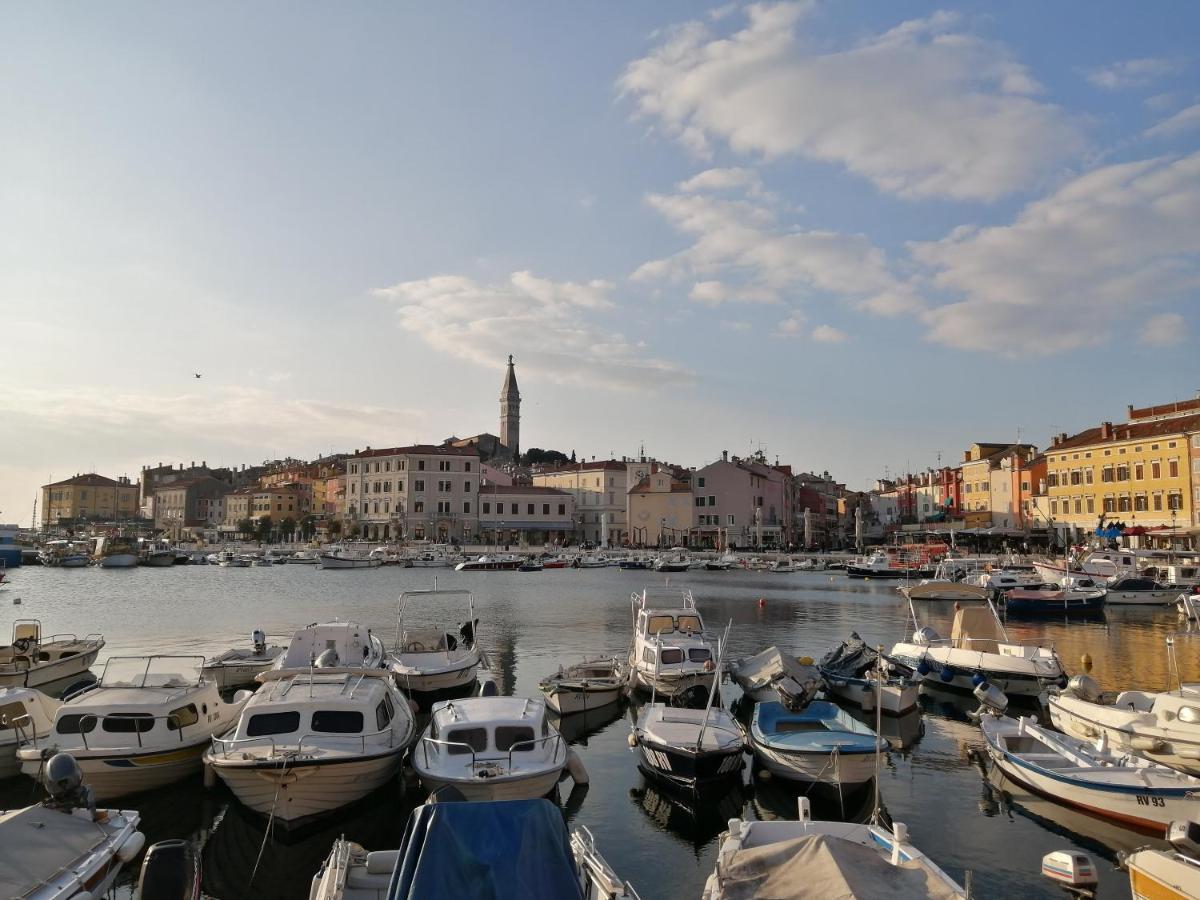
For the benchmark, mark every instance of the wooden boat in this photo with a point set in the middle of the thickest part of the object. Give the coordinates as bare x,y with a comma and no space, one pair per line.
585,685
851,673
1077,596
1123,787
821,743
794,859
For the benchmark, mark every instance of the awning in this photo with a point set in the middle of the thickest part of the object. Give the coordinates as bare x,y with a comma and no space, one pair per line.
527,526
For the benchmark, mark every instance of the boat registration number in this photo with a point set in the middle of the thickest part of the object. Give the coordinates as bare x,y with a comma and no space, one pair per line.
1145,800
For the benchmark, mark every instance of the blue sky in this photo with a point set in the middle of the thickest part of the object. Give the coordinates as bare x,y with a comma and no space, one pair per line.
856,234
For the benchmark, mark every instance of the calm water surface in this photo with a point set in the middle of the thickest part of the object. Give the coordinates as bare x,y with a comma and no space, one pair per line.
664,844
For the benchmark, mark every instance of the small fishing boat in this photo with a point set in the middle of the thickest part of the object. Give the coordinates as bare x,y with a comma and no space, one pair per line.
240,666
144,725
48,663
1075,596
676,562
115,553
783,566
433,658
880,565
787,859
531,565
591,561
775,675
689,747
24,714
636,563
585,685
818,744
230,560
329,644
493,748
475,851
977,650
490,564
65,848
1134,590
851,673
1123,787
344,559
303,558
670,654
722,563
555,562
311,742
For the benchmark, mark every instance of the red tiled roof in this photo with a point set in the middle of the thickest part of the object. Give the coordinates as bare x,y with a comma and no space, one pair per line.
1164,409
1132,432
89,480
417,450
643,487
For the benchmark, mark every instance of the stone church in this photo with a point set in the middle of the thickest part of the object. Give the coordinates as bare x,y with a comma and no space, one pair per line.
505,447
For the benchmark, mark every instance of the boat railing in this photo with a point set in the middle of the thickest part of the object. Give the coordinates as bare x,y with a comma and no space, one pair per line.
224,745
599,873
19,724
327,738
137,719
518,747
68,638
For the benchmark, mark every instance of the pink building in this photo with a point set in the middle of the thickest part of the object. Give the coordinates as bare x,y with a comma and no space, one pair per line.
742,503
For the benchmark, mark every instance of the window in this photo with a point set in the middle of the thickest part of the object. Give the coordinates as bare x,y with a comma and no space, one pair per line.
1091,505
474,738
672,655
420,465
1174,501
712,501
1170,445
128,723
1138,471
1054,507
1158,502
466,487
387,465
1123,472
1076,477
418,506
514,737
182,717
515,509
700,479
467,466
337,721
1173,468
382,717
487,508
419,485
562,509
731,521
443,507
699,654
353,468
1156,469
443,465
75,723
700,501
1123,504
545,509
467,507
1087,475
1051,481
1139,503
529,509
1110,505
1078,507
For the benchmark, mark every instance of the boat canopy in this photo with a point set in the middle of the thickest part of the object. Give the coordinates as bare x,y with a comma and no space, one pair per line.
503,850
37,843
974,627
824,866
853,659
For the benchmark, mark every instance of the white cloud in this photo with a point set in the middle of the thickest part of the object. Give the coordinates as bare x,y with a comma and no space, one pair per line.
1183,121
1133,72
724,179
551,326
792,326
1164,330
827,334
925,109
735,325
1072,266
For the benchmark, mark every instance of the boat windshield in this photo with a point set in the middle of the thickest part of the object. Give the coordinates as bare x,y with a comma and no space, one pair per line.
660,624
699,654
152,671
689,624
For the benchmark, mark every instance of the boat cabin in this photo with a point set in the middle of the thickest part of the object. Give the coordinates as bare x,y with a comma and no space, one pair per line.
491,727
306,707
29,648
332,644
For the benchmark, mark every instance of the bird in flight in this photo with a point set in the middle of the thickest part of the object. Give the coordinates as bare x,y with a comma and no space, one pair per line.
198,375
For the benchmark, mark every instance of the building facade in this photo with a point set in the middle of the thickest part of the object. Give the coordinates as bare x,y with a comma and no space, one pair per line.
525,515
510,413
661,511
600,489
740,503
89,497
421,492
188,507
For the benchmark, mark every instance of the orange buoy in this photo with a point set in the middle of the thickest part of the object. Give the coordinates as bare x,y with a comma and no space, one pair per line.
762,602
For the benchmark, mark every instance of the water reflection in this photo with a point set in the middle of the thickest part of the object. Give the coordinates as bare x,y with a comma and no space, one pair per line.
576,728
691,817
902,732
776,798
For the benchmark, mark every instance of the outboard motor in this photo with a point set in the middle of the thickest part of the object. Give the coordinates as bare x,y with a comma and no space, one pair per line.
170,871
992,700
1184,836
1084,687
259,640
327,660
64,784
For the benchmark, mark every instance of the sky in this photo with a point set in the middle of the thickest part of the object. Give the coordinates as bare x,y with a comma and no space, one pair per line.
856,236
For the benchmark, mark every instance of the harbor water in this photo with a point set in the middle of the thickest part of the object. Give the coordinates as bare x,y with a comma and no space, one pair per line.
663,843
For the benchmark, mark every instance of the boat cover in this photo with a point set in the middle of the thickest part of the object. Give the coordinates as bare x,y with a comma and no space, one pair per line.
503,850
853,658
824,866
795,682
974,627
37,843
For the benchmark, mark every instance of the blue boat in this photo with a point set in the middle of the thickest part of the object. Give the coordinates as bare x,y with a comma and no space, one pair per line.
10,550
821,743
1069,601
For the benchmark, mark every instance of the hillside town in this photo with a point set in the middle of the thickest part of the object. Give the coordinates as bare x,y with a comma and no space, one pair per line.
1138,480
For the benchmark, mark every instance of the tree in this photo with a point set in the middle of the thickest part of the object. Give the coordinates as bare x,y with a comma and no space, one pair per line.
335,527
264,529
308,527
536,455
246,527
287,528
572,456
354,531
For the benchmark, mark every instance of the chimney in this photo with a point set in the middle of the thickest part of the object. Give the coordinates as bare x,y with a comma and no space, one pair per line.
1106,431
724,456
1129,411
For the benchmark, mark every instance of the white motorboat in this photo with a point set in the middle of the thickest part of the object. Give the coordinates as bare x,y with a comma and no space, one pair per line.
790,860
65,848
65,555
311,742
231,560
24,714
329,644
1123,787
433,658
143,725
1171,874
673,562
115,553
47,663
585,685
1162,726
819,744
722,563
502,563
851,672
775,675
684,662
344,559
492,748
592,561
508,842
240,666
303,558
979,649
1133,590
785,566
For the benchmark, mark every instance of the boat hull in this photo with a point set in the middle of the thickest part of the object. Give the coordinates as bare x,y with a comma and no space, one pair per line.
1142,598
339,562
1015,676
1155,875
946,590
427,682
234,675
48,677
297,793
673,765
505,787
121,775
1177,751
896,699
816,768
159,560
671,686
119,561
567,700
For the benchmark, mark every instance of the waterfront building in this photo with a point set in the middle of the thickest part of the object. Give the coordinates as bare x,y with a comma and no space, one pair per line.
980,462
661,510
740,502
187,508
525,515
421,492
238,508
282,501
1138,473
89,497
600,489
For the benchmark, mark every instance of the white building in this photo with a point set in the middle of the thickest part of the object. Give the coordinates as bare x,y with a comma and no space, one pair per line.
525,514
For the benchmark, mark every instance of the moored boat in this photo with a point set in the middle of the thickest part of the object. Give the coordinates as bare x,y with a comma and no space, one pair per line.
670,653
851,672
240,666
819,744
24,714
489,564
775,675
344,559
430,659
47,663
585,685
1078,596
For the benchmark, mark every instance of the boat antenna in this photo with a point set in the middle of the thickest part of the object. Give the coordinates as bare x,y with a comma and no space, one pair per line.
712,691
913,612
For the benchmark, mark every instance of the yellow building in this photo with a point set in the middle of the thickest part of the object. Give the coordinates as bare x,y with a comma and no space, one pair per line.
661,511
89,496
1138,472
987,484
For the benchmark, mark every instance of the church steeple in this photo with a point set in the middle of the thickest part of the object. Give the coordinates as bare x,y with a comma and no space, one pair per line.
510,412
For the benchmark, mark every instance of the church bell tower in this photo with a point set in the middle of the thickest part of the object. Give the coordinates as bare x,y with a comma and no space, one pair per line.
510,412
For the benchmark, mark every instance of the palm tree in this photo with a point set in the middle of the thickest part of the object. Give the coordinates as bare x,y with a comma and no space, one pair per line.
245,527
